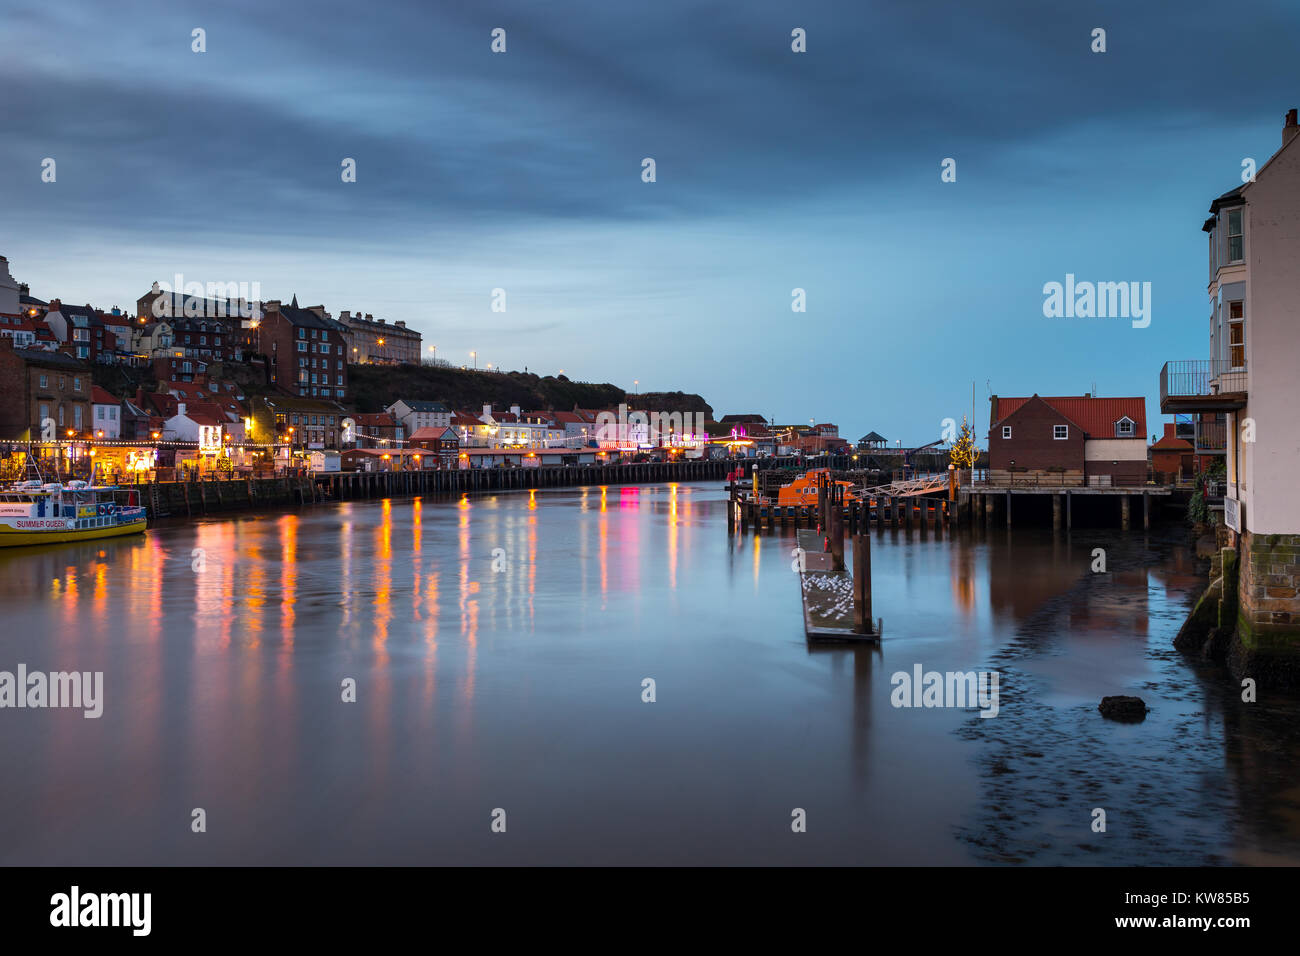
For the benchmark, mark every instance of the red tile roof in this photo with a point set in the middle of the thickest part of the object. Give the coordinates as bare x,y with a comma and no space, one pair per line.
1096,416
102,396
205,413
1172,443
433,433
373,419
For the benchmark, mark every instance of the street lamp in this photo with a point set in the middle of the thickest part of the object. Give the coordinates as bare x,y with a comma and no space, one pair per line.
474,356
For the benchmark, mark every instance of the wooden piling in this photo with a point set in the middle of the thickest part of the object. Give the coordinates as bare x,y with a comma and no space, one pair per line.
862,583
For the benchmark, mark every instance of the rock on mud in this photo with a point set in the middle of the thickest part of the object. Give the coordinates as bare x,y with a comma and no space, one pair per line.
1123,708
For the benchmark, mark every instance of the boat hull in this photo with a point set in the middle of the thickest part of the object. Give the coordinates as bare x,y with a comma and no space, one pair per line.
15,538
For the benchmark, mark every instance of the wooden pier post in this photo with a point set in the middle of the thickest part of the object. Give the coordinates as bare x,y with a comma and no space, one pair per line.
1123,512
1146,511
837,540
862,583
1069,511
1056,512
1008,507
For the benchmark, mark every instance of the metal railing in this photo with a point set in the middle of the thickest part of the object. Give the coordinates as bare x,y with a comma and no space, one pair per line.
1211,437
1057,480
1196,377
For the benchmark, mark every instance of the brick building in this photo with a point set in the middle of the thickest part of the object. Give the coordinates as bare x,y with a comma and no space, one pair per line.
371,340
40,386
1172,457
1068,440
306,352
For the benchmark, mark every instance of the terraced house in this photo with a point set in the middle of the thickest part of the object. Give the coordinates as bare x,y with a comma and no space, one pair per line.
307,353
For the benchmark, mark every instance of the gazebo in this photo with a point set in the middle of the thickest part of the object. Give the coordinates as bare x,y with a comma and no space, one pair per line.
872,441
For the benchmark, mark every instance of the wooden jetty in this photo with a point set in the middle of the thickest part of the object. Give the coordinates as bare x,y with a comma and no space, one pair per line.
836,601
925,504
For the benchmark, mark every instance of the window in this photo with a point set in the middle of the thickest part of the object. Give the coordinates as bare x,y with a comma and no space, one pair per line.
1237,334
99,412
1060,431
45,412
76,417
340,380
302,346
45,381
1124,428
1234,236
302,333
1006,431
76,384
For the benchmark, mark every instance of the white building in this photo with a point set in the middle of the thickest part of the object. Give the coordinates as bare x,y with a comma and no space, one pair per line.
105,413
414,415
1251,379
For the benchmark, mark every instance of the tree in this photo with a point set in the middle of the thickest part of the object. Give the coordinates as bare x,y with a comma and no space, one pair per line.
963,453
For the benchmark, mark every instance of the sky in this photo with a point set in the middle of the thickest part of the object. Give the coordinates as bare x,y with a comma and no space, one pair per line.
774,171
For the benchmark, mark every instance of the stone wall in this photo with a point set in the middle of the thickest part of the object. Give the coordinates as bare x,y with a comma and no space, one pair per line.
1268,618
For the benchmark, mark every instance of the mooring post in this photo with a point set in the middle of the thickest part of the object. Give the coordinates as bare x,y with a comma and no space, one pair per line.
1123,512
837,540
1146,511
1008,507
862,583
1056,512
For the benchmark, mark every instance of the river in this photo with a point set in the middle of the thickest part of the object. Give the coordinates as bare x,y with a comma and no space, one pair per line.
499,647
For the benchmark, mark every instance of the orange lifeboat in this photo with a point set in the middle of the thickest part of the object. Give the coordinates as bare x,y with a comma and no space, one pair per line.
803,490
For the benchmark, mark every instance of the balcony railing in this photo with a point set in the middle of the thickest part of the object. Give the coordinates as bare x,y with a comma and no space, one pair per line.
1200,378
1211,438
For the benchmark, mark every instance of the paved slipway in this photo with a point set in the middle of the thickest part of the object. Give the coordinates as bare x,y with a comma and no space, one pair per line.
1206,779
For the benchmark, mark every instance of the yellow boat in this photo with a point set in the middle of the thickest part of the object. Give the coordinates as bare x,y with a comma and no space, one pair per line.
57,512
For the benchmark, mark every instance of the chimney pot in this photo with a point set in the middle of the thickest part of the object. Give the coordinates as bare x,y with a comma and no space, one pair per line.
1291,128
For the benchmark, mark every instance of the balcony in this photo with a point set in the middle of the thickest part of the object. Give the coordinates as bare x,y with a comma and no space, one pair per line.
1211,438
1201,385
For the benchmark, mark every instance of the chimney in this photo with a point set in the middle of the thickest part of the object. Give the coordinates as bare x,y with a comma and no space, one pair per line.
400,324
1291,128
56,305
1169,430
487,411
180,408
514,410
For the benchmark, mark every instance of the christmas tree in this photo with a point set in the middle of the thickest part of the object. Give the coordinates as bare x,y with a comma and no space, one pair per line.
963,453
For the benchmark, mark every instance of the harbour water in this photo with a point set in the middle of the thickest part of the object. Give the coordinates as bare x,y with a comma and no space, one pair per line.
499,647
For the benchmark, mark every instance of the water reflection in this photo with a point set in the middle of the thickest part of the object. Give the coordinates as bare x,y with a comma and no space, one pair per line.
498,644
